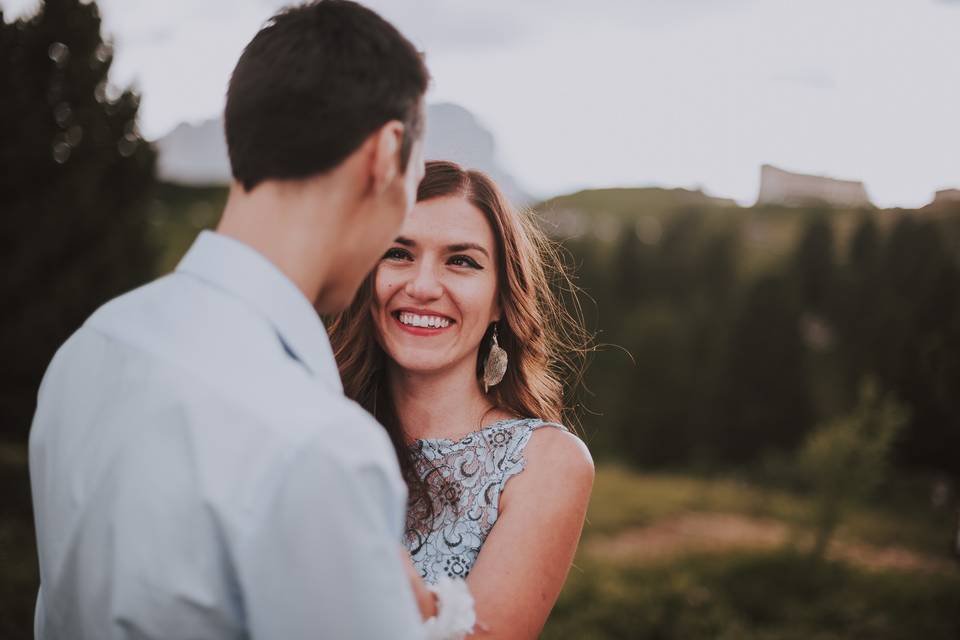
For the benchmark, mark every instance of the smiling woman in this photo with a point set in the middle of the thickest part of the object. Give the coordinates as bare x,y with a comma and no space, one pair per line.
464,290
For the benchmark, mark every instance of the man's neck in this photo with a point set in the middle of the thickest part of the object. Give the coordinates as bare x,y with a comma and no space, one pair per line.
270,221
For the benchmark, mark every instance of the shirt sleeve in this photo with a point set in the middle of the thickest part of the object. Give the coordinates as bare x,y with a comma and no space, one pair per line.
324,559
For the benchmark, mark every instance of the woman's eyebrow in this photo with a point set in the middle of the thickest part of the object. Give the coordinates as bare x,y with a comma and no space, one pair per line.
464,246
451,248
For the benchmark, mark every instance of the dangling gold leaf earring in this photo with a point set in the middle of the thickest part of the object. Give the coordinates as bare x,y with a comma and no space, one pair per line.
496,364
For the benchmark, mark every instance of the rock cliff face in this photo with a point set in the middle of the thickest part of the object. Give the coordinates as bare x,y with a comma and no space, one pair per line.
194,155
197,154
795,189
946,196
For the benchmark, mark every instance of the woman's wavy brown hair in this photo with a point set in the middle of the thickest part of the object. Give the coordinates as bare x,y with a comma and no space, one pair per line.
540,328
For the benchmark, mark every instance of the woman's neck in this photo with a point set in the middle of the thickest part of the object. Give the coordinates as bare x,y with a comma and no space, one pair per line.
447,404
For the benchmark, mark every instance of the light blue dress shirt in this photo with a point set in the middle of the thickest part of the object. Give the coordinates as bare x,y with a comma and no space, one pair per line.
198,473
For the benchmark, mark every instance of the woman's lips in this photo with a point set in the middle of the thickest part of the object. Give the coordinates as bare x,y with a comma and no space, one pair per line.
420,331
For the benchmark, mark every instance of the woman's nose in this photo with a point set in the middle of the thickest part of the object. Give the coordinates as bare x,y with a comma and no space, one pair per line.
424,285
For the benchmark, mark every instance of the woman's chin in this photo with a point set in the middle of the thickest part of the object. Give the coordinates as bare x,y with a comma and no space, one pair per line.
422,363
417,367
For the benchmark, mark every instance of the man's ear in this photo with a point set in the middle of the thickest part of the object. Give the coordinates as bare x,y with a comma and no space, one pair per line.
385,159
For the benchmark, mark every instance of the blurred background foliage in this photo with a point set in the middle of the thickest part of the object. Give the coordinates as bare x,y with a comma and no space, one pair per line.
75,182
774,404
748,326
76,178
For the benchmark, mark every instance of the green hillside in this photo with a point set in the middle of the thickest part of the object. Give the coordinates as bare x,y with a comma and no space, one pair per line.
764,233
629,202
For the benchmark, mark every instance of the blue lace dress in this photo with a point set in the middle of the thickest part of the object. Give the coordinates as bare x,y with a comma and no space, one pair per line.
464,480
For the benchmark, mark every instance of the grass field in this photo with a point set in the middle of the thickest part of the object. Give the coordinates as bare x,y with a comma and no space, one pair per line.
680,556
753,595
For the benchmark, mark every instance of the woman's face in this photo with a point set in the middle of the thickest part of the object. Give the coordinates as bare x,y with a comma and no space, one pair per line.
435,290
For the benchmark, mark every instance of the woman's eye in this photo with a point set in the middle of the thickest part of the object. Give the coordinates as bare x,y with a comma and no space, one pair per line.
396,254
464,261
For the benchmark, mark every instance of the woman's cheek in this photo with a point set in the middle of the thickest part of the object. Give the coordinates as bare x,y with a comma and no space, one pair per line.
383,288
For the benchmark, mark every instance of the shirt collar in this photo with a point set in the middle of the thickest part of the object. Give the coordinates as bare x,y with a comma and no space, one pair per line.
239,270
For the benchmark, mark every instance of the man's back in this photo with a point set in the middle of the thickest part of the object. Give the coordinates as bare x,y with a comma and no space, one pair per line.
197,472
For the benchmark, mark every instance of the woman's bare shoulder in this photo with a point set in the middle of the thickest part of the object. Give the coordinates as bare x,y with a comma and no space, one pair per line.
559,452
557,467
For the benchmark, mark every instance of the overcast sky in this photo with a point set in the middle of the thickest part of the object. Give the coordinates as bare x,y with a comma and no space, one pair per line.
629,92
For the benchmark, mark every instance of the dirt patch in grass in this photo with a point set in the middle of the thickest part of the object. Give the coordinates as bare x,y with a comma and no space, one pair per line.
707,532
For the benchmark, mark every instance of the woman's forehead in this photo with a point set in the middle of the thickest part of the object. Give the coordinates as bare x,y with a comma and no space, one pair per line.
445,221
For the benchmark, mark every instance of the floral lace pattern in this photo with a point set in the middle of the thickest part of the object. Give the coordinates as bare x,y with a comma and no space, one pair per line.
465,478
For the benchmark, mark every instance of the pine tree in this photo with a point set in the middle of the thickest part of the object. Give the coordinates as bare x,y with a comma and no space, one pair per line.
76,176
763,398
918,322
813,265
860,300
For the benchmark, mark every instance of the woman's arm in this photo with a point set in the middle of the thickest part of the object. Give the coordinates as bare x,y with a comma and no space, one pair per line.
525,559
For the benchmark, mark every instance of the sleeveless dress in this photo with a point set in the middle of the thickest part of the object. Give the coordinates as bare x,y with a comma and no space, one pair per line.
464,478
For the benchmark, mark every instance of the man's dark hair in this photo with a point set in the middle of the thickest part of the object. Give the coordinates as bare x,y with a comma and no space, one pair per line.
313,84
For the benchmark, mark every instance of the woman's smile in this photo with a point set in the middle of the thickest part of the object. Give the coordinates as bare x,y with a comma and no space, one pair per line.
422,323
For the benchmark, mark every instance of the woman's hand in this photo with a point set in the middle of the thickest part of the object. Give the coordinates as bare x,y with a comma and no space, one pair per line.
424,597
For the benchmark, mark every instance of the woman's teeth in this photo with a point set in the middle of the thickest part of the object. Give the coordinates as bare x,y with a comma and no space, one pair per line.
413,320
